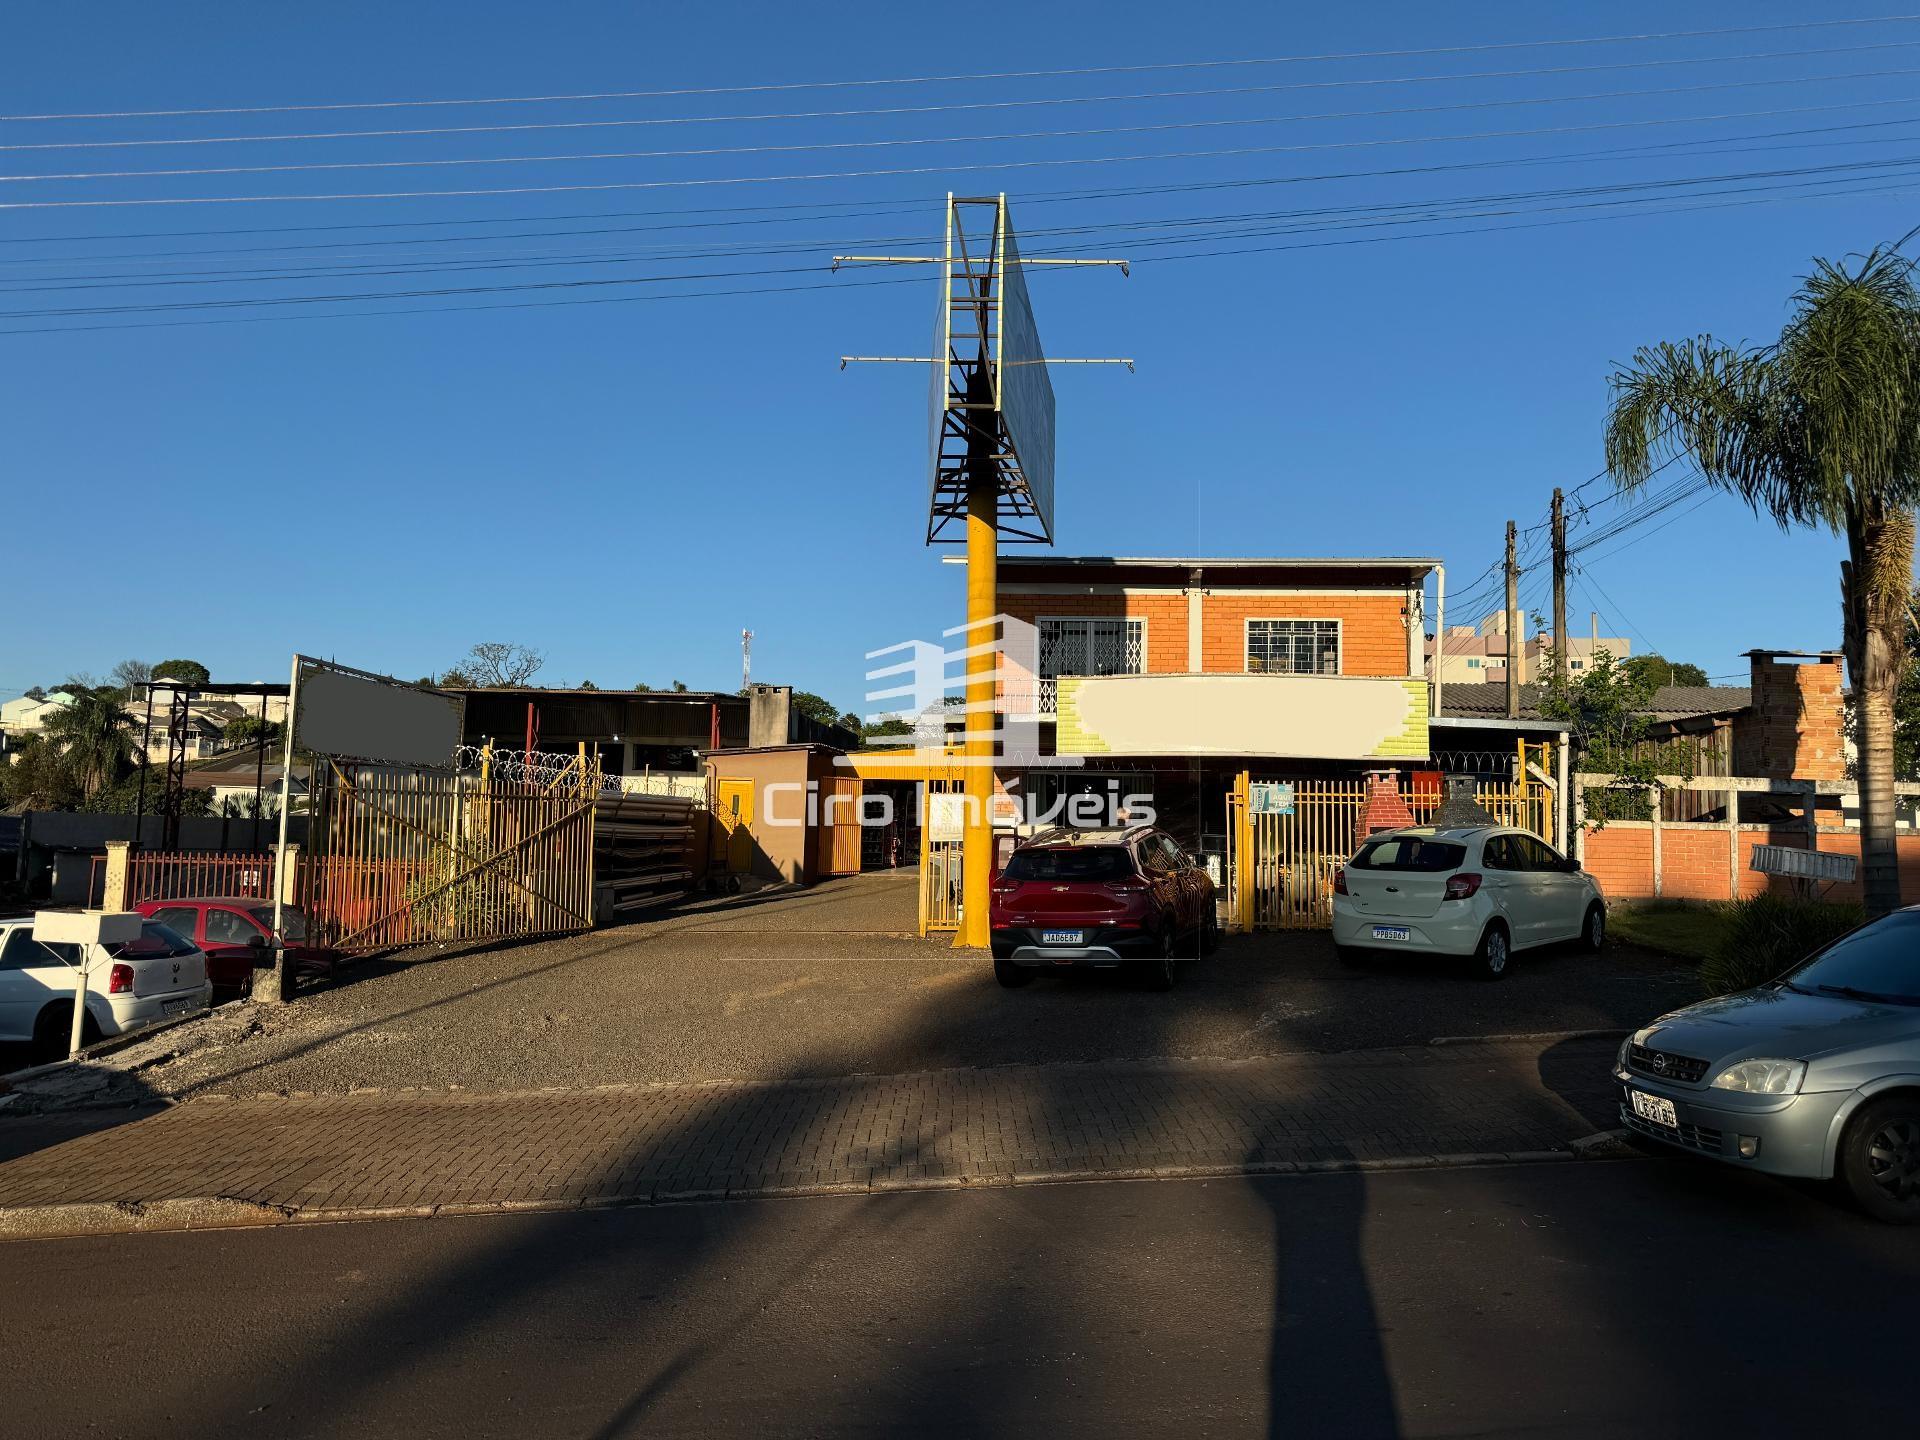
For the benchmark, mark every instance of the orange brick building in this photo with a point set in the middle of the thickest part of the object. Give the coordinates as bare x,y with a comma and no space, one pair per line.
1288,666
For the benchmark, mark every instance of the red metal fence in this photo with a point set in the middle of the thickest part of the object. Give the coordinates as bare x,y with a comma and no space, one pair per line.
177,875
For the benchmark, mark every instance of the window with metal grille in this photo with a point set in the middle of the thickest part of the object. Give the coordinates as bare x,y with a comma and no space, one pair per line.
1088,645
1293,647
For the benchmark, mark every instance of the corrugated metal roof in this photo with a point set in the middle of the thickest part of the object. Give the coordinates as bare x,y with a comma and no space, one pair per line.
1670,702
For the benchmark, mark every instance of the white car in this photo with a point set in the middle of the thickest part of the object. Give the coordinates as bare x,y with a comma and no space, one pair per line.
1485,892
156,977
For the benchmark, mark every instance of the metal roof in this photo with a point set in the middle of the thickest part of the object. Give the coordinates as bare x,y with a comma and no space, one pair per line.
1314,562
1488,698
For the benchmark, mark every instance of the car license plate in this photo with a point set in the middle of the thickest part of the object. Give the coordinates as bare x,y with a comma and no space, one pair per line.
1392,932
1652,1107
1062,937
176,1007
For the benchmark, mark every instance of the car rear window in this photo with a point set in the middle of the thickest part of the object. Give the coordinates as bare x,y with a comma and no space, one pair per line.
156,942
1074,862
293,922
1409,852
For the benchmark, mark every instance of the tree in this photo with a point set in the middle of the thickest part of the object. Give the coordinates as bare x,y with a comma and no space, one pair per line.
191,671
498,665
815,707
1820,429
455,678
130,675
1661,671
94,736
679,687
1605,707
35,692
641,686
587,685
250,730
39,778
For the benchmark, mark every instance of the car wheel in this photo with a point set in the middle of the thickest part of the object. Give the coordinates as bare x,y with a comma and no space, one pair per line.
1593,930
1010,975
54,1028
1210,931
1158,974
1880,1159
1495,955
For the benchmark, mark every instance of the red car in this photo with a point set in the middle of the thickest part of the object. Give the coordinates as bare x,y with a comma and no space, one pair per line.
1102,898
237,934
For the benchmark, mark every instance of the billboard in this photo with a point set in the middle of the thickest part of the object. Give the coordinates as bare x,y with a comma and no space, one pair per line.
1299,717
1023,393
354,715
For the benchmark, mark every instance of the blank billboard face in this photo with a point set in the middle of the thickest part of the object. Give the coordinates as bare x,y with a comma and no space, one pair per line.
349,716
1026,394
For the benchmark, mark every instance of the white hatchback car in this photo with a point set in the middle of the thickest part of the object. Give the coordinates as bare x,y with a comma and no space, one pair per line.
156,977
1484,892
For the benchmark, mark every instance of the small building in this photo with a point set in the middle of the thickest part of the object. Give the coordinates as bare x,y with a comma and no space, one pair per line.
785,813
636,732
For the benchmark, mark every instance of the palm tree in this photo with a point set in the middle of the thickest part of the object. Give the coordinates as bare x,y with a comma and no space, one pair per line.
94,734
1822,429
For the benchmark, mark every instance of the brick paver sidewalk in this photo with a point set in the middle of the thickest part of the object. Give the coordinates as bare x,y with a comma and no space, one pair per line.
313,1157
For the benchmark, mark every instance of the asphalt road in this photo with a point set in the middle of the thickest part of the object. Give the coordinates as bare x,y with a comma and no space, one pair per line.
1641,1298
831,981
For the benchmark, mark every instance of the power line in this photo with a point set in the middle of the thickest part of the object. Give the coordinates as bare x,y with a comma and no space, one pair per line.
968,168
780,216
160,307
1174,230
973,105
914,141
786,289
796,85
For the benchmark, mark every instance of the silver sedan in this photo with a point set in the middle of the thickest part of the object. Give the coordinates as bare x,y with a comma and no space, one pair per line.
1815,1075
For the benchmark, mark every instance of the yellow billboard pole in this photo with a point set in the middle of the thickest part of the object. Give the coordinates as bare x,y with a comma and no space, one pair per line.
983,563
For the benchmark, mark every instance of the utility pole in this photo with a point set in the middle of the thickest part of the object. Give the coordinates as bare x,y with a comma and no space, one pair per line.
1513,615
1560,669
746,660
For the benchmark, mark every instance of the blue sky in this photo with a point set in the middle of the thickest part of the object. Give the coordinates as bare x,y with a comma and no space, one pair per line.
624,486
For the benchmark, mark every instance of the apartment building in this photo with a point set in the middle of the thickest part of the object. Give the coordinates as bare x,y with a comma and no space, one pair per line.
1477,654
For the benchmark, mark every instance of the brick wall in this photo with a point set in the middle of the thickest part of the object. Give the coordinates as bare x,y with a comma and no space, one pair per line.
1165,616
1373,632
1693,861
1795,726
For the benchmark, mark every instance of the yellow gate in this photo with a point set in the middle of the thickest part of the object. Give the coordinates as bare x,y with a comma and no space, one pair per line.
940,859
1280,866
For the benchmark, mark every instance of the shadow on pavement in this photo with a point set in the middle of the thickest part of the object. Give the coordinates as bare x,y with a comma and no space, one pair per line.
1325,1375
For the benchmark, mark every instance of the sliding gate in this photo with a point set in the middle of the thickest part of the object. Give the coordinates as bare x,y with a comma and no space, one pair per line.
404,857
1281,864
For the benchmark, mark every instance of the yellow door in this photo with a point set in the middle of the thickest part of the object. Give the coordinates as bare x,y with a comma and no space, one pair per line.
736,813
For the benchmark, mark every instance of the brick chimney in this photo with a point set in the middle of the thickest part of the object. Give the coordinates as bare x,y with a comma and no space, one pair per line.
1383,809
1794,727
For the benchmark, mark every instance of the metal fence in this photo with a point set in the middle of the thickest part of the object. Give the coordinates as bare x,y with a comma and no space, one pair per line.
1280,867
185,874
402,857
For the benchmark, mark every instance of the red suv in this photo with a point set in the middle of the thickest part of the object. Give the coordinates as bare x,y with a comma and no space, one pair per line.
1101,897
237,934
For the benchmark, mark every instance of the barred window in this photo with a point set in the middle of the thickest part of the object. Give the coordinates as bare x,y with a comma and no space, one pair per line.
1293,647
1088,645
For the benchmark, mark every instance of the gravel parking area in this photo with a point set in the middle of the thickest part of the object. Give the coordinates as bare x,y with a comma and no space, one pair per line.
832,981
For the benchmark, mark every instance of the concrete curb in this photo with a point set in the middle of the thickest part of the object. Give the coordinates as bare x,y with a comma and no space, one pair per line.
1524,1035
49,1222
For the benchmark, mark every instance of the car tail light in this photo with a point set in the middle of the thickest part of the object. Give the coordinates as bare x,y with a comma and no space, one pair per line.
1340,881
120,980
1460,886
